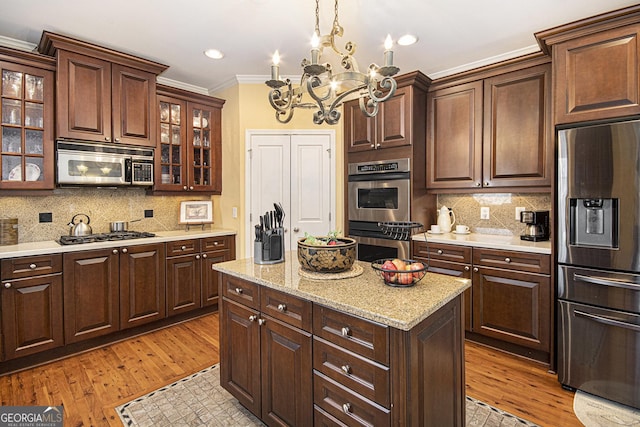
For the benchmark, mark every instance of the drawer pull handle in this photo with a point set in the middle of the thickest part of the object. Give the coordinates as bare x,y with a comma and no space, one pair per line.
346,407
7,285
507,260
346,369
346,331
466,268
184,248
215,243
261,322
239,291
32,266
252,318
475,269
440,251
282,308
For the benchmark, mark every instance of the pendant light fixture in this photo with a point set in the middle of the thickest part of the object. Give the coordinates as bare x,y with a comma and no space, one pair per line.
327,88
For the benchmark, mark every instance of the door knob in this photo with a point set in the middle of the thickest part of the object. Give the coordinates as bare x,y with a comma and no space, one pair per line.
296,229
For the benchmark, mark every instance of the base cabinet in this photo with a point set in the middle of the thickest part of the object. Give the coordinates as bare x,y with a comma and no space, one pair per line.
31,302
294,362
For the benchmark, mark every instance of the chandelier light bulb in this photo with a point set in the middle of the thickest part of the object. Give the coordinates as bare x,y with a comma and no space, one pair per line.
334,85
276,58
275,68
315,40
388,42
388,53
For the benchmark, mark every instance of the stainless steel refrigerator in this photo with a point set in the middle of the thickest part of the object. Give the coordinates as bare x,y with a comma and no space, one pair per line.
598,253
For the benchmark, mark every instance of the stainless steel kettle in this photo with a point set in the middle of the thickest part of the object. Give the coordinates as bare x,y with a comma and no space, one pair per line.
79,228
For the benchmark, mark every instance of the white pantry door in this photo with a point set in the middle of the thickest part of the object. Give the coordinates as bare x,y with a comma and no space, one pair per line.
295,169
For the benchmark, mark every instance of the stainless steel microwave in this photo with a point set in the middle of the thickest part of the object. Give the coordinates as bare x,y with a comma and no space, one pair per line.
80,163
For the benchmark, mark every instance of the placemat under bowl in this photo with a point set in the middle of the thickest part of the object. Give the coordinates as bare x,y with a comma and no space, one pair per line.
354,271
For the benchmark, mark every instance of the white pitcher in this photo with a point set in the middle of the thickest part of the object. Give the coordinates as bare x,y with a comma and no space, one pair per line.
444,219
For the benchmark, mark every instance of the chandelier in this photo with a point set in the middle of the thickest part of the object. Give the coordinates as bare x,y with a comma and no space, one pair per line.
328,89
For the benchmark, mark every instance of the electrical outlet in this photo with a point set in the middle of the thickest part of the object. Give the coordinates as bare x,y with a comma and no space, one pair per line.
45,217
518,210
484,212
148,213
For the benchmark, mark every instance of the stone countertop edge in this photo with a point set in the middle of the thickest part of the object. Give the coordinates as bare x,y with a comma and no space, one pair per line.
490,241
365,296
51,247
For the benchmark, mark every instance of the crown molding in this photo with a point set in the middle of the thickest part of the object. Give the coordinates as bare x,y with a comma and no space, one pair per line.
181,85
17,44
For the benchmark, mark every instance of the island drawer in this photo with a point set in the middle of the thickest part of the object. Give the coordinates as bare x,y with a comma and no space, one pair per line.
346,406
322,419
361,336
17,268
241,291
368,378
287,308
183,247
520,261
215,243
441,251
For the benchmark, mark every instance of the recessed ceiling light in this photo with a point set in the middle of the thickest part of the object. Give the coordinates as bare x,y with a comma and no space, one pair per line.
407,39
214,53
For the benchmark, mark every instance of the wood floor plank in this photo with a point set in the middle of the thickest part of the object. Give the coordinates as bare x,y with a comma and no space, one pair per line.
90,385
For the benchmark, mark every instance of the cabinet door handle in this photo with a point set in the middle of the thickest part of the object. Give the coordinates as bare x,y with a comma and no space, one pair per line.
32,266
346,407
191,187
475,269
184,188
282,308
346,369
7,285
204,255
261,322
115,251
440,251
346,331
466,268
507,260
125,250
239,291
373,145
197,256
116,139
252,318
478,184
106,138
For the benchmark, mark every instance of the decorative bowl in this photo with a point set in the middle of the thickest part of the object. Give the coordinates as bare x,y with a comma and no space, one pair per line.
400,278
327,259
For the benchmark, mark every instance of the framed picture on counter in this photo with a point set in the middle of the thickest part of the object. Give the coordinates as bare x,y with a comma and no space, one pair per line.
196,212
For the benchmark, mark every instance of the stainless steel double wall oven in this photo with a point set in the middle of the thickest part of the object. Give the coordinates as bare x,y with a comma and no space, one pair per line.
378,191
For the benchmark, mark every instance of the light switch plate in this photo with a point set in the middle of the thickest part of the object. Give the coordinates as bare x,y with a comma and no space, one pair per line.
518,210
484,212
234,212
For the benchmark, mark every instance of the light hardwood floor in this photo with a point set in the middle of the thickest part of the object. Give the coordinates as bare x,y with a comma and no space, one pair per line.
90,385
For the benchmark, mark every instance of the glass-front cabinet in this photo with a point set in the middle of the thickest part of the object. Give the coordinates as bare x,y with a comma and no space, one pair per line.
189,148
26,137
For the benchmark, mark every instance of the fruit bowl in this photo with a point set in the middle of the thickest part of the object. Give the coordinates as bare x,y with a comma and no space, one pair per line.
399,272
327,259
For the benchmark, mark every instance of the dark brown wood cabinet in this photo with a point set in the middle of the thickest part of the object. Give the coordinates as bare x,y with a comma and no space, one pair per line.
31,301
142,284
266,362
491,132
509,305
214,250
189,150
91,294
26,137
595,66
103,95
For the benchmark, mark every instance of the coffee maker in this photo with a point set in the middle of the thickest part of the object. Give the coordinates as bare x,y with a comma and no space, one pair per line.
537,229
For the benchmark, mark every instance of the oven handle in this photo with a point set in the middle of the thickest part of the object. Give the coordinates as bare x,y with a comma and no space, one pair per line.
379,176
607,320
606,282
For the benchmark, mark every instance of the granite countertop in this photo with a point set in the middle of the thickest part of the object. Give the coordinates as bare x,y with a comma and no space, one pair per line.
51,247
364,296
491,241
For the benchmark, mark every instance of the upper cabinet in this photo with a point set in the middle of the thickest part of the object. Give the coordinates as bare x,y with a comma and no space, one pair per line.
103,95
595,66
189,150
26,136
491,128
394,124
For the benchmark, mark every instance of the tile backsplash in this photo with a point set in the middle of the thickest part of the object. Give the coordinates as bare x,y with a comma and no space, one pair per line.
502,208
102,205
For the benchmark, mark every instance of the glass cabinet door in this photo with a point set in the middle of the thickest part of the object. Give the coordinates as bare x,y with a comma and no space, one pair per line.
26,136
172,141
201,147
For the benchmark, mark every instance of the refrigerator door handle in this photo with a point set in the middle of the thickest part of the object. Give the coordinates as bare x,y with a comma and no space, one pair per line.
606,281
607,320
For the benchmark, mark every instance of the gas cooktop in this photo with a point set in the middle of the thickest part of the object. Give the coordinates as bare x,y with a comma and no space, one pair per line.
103,237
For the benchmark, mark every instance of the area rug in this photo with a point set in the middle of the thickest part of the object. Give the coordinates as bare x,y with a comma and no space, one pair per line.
594,411
199,400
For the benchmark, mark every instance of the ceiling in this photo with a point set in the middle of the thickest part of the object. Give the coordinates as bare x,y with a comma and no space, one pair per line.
454,35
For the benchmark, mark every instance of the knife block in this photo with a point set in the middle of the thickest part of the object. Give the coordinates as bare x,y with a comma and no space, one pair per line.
271,249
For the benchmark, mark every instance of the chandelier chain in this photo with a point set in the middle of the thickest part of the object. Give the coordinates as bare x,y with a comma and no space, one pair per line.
336,24
318,17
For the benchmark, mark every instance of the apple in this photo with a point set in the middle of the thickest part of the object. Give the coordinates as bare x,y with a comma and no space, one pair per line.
388,275
400,264
405,278
417,266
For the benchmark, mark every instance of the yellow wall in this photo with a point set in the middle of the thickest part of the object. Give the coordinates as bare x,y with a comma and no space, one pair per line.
247,108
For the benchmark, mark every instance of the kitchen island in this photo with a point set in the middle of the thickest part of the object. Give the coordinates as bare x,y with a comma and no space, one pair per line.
297,350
